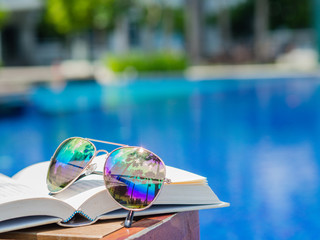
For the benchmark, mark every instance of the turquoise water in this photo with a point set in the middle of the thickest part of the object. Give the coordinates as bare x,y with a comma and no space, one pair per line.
256,141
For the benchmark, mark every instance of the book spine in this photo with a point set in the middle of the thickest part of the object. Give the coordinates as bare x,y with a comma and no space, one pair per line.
78,212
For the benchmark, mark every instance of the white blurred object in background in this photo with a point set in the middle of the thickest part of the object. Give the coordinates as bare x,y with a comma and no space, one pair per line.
298,58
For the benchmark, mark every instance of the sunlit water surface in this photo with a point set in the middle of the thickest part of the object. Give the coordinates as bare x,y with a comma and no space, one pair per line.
257,142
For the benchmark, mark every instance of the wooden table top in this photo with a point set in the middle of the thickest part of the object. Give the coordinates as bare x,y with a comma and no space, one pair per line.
184,225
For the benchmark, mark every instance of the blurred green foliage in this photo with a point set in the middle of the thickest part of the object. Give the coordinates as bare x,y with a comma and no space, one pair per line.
242,19
291,14
146,62
154,15
3,17
68,16
179,20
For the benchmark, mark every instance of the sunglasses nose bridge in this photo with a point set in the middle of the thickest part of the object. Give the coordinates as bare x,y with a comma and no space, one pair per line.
104,151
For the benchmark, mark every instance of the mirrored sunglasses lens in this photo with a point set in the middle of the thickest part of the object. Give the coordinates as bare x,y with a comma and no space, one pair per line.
134,176
68,162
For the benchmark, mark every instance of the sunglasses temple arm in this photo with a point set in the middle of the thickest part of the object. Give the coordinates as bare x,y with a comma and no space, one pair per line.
129,219
112,143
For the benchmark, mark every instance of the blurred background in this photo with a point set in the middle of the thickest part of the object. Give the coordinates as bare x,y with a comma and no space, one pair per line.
227,89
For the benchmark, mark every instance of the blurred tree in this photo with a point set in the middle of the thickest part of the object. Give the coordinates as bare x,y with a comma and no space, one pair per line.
68,16
3,17
316,24
168,25
292,14
178,20
242,16
156,15
194,23
149,21
224,23
71,17
257,17
261,29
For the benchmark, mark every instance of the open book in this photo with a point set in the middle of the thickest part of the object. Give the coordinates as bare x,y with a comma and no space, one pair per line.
25,200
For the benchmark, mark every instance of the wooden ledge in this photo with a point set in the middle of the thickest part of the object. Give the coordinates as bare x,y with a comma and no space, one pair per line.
184,225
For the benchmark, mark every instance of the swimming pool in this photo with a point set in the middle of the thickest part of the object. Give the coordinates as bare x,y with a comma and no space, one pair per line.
256,141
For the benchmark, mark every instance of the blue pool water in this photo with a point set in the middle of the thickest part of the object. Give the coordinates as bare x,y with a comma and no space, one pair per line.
257,142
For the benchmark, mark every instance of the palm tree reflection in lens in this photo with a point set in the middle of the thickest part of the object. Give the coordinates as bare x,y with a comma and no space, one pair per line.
133,177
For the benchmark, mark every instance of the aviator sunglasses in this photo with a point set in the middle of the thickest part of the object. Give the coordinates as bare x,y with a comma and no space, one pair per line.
132,175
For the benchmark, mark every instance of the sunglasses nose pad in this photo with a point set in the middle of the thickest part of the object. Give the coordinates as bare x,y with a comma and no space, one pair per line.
90,169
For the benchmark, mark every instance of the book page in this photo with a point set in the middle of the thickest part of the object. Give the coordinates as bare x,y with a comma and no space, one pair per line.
161,209
11,190
81,190
19,200
26,222
187,194
34,177
179,176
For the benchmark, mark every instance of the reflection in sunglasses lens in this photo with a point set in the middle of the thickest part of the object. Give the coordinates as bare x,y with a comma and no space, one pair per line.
134,176
68,162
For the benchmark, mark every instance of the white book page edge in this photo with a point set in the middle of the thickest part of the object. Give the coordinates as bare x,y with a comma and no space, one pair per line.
26,222
162,209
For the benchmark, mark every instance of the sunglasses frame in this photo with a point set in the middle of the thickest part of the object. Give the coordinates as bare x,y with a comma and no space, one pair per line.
85,172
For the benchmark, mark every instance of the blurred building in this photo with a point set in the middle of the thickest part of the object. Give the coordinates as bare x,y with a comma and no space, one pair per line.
18,36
